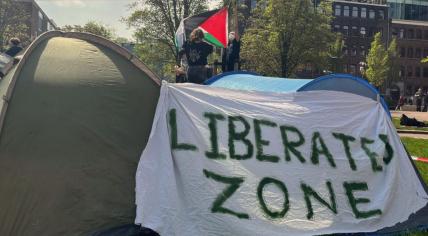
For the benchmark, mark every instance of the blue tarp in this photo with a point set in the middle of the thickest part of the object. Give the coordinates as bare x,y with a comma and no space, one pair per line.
334,82
254,82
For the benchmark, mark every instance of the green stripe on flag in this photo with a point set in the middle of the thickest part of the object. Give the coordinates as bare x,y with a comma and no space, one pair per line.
209,38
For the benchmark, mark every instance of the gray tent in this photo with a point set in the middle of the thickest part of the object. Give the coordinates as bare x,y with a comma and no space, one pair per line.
75,116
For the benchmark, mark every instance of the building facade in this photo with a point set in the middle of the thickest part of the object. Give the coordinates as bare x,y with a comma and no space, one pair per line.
412,43
358,23
38,22
416,10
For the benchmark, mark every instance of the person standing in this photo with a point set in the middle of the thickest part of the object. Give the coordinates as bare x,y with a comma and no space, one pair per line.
231,53
425,102
400,104
14,48
196,52
418,97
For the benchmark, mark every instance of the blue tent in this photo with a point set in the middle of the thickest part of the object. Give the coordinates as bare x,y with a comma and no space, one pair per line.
334,82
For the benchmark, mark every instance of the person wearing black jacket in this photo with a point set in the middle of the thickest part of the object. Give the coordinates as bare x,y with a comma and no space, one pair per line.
196,52
231,53
14,48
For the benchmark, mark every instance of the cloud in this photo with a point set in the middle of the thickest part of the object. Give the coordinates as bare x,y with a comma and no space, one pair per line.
67,3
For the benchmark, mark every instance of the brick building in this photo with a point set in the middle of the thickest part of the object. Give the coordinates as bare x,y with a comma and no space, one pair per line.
358,22
412,42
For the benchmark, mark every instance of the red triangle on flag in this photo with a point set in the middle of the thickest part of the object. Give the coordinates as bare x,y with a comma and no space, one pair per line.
217,26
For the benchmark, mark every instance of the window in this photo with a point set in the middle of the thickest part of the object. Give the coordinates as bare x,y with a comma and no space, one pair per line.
426,34
345,68
372,14
40,22
401,36
418,53
419,34
425,53
395,32
346,10
410,34
409,71
363,12
402,71
381,15
363,31
417,71
363,51
345,51
355,31
410,52
337,10
402,52
345,30
354,11
336,28
425,72
354,52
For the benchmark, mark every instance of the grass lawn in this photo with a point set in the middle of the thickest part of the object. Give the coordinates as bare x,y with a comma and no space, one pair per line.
397,125
419,148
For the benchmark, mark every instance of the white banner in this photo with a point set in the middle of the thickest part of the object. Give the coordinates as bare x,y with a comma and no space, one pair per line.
224,162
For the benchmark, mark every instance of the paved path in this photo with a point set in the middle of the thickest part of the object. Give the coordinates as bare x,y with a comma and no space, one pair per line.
421,136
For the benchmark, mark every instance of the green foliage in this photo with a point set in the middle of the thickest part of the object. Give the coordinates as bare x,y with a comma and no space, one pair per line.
336,55
155,23
285,34
157,57
93,28
393,59
12,22
377,62
424,60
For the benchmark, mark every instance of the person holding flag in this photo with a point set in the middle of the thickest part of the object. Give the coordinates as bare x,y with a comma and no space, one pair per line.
196,52
212,28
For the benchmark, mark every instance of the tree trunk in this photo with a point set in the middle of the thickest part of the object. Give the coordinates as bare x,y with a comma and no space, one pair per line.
284,55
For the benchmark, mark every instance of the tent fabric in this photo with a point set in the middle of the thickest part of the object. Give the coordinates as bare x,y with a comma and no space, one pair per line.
254,82
76,115
334,82
345,83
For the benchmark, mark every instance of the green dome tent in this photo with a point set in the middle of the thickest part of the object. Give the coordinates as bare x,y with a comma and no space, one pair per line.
75,116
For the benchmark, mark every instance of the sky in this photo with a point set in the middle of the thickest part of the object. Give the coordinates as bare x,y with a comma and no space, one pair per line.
79,12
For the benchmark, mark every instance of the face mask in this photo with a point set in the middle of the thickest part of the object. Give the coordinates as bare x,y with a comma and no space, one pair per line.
231,37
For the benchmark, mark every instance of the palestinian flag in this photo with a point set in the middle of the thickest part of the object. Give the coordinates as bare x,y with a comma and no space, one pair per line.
214,24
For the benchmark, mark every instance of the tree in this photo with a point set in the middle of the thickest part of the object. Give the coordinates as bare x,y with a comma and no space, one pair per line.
156,21
336,55
377,62
93,28
393,62
286,34
12,22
